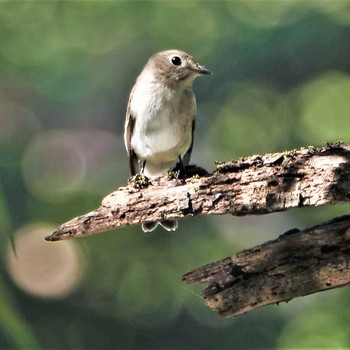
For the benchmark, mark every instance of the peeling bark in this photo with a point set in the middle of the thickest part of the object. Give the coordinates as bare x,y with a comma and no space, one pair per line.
296,264
255,185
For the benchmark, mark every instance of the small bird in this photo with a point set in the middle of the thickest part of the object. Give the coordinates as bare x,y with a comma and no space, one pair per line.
160,118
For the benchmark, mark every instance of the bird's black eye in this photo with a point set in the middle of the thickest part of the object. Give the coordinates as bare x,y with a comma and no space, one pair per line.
176,60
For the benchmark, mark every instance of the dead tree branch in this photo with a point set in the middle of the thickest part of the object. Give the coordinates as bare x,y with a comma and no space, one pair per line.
255,185
296,264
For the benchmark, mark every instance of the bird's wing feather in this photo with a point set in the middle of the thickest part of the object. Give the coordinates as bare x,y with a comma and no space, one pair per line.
187,156
129,128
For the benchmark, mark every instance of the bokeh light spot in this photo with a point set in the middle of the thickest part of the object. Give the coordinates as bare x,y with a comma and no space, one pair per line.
264,14
325,110
157,306
246,123
44,269
59,164
18,123
53,168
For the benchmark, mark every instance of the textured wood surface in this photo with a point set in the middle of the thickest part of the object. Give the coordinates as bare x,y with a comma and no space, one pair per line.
296,264
255,185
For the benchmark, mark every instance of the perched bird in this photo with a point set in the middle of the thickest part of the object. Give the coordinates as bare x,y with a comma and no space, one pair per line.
160,118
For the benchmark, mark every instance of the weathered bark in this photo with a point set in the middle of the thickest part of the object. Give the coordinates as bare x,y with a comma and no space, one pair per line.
296,264
255,185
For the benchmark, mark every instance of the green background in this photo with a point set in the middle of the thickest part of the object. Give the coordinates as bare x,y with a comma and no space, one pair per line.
280,81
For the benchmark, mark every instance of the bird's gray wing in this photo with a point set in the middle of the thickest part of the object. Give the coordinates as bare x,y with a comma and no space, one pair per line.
186,158
128,132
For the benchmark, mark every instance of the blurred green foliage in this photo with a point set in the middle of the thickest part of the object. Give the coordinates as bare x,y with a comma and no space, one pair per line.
281,81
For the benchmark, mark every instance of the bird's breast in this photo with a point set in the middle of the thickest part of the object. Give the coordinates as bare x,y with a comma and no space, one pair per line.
163,128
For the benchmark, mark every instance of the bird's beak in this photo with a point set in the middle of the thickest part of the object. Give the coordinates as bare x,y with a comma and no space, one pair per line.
199,69
203,70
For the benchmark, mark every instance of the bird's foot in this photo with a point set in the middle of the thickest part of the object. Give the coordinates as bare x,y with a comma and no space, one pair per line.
139,181
181,172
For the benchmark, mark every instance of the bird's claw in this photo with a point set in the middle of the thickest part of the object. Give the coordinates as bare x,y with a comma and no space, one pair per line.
139,181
